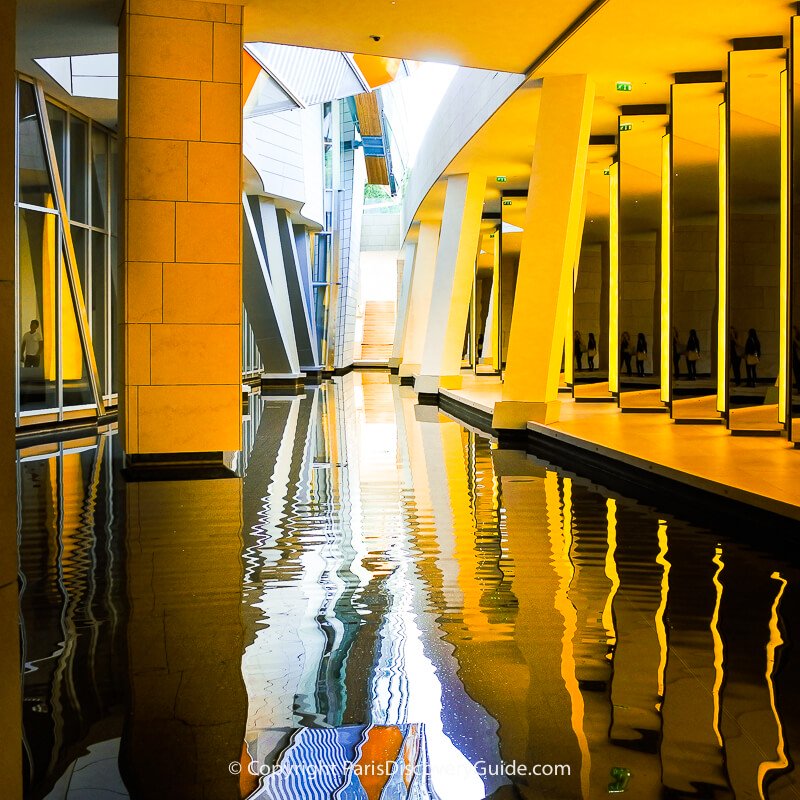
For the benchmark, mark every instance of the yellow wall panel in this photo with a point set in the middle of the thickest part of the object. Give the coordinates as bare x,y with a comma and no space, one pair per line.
214,172
137,354
191,354
166,47
221,112
227,53
202,292
161,108
150,231
179,9
198,236
179,419
156,169
143,286
233,14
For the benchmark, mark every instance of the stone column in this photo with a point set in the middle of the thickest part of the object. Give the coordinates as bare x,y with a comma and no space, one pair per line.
419,301
181,139
452,283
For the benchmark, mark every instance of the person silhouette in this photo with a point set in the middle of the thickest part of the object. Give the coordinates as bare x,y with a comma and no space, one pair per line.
578,350
692,354
591,350
32,346
625,351
641,354
752,355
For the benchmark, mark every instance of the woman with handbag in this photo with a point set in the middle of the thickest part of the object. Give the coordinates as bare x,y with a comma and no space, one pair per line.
692,354
752,355
641,354
591,350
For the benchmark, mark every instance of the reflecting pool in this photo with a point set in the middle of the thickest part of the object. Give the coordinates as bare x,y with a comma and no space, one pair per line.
385,605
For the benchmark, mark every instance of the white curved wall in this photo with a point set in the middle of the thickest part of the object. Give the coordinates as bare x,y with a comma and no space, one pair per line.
473,96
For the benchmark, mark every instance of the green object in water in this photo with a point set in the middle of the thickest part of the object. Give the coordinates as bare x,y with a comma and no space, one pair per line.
619,780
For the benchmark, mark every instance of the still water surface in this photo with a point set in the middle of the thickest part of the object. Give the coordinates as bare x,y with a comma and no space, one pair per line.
386,606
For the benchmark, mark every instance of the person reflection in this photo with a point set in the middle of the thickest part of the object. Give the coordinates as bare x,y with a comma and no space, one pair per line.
692,354
752,355
578,349
625,351
641,354
32,346
796,355
591,350
676,354
736,352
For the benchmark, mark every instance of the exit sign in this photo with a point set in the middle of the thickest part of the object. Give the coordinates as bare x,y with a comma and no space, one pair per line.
491,236
506,202
626,126
606,172
624,86
501,179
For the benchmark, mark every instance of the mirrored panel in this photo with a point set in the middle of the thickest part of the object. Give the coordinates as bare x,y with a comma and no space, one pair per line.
486,311
793,389
590,345
511,229
754,237
694,249
640,179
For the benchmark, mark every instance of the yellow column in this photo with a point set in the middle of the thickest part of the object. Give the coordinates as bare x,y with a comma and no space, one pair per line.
10,694
452,283
550,246
181,134
420,298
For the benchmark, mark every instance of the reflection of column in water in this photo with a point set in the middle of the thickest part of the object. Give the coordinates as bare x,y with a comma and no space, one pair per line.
447,601
639,651
540,724
752,731
591,592
691,751
561,546
188,705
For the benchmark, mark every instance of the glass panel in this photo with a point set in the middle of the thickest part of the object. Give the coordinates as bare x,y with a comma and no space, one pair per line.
58,130
99,178
114,271
695,249
74,367
754,238
78,174
97,312
37,310
80,241
35,186
115,183
641,154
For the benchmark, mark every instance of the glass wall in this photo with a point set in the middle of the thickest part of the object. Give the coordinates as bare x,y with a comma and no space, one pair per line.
64,305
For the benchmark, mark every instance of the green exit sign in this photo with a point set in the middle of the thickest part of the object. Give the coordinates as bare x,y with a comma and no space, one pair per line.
491,236
606,172
626,126
501,179
506,202
624,86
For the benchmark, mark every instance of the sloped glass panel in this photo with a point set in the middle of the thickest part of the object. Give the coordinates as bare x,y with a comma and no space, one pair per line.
35,186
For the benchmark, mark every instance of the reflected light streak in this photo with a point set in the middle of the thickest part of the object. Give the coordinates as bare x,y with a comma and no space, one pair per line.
661,629
719,647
